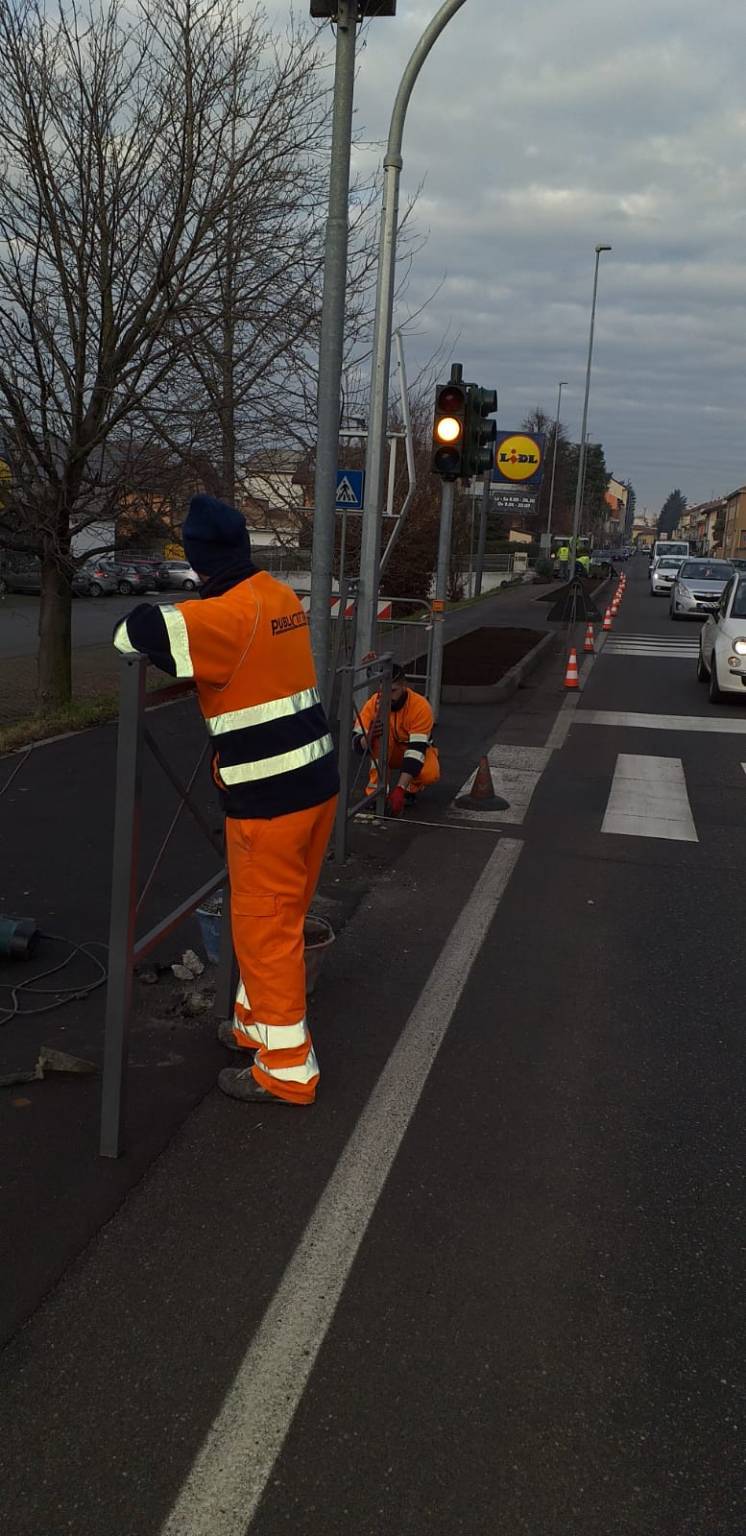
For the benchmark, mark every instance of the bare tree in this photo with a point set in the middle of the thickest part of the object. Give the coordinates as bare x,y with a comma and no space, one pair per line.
121,154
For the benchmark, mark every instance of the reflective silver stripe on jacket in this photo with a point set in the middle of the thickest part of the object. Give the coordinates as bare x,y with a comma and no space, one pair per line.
283,762
178,641
416,757
262,714
122,642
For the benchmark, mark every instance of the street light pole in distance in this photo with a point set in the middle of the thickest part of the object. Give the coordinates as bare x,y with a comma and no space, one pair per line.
581,455
562,385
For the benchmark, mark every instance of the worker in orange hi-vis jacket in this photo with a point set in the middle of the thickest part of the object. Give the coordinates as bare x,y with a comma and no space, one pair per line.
247,646
411,755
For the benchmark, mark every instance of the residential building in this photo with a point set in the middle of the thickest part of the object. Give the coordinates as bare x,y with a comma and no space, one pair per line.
734,524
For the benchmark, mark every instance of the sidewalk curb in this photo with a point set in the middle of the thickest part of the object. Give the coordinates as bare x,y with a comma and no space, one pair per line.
495,693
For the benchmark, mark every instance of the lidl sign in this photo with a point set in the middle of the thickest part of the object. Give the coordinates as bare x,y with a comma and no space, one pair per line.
519,459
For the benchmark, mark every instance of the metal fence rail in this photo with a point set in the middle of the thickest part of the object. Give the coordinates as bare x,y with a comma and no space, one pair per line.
125,949
366,678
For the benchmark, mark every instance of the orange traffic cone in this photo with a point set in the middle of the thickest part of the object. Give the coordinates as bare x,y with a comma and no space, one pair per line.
571,675
588,642
608,619
481,796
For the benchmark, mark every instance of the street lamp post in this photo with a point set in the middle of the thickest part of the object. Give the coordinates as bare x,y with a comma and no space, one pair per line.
581,456
562,384
370,552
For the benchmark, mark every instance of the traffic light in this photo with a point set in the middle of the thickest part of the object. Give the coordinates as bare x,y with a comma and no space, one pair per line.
449,430
479,452
329,8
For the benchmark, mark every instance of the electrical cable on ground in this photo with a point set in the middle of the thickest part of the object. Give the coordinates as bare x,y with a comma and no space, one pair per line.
61,994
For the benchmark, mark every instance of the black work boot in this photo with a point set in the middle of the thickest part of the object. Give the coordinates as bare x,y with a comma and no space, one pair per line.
240,1083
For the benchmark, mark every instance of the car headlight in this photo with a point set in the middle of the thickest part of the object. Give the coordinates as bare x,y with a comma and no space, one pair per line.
739,647
682,590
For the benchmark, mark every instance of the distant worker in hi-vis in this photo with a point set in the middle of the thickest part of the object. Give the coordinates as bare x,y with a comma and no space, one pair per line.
246,645
410,755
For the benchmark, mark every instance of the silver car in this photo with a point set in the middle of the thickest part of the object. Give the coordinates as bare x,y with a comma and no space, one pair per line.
179,574
663,573
699,587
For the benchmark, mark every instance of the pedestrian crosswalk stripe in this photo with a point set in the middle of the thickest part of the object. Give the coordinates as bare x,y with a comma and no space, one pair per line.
679,647
648,798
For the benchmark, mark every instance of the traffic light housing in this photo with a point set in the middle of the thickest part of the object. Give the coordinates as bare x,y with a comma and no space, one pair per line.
479,452
449,430
322,9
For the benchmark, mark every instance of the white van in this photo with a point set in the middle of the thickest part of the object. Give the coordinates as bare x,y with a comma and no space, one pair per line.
670,547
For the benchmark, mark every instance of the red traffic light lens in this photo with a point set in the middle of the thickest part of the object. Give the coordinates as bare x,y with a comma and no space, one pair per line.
451,400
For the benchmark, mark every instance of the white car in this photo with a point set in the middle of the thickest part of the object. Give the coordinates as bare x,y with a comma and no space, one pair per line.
722,643
663,572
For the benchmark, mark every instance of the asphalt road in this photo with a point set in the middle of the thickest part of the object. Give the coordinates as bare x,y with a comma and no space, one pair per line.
491,1283
93,620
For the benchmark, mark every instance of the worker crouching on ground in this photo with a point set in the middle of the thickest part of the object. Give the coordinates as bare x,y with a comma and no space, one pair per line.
411,753
247,646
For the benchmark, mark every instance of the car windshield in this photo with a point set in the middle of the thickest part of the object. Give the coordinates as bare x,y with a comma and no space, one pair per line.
738,606
668,563
706,570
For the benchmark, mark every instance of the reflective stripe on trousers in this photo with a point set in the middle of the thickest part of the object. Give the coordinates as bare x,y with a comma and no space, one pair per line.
274,867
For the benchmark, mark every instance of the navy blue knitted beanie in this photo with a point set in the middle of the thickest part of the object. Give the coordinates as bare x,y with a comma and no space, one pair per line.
213,534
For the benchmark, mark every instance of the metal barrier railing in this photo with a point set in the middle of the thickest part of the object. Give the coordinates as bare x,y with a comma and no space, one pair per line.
125,949
368,677
410,639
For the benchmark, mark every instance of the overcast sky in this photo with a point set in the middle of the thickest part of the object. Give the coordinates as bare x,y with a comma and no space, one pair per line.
541,132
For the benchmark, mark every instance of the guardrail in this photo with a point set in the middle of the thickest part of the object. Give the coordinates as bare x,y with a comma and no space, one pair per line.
125,949
367,677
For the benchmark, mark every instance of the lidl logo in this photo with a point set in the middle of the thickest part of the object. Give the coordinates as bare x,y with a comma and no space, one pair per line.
518,458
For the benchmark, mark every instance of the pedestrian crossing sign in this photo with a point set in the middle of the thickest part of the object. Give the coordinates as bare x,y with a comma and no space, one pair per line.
350,487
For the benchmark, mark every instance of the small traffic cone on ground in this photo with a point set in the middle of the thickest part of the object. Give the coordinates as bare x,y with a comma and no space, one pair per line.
608,619
571,675
588,642
481,796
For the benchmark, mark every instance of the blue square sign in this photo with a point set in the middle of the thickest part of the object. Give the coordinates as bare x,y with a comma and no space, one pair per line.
350,490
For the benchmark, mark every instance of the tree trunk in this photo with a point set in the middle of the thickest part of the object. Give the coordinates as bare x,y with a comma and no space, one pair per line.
55,658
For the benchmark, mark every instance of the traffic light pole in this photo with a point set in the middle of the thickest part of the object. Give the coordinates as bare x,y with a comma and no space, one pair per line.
447,497
482,545
381,356
331,344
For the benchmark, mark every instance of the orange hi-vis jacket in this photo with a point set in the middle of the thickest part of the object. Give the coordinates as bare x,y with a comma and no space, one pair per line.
249,653
410,732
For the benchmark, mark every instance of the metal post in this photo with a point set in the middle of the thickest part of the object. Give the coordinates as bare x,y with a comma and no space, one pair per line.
331,344
123,916
226,979
581,458
482,545
554,466
473,501
441,590
383,752
409,447
346,701
381,355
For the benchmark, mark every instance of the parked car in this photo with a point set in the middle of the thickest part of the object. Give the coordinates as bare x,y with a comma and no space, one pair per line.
181,575
699,587
94,579
722,643
20,573
663,572
127,576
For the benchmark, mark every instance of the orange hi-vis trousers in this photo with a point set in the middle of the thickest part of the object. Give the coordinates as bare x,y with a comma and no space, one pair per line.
274,867
430,773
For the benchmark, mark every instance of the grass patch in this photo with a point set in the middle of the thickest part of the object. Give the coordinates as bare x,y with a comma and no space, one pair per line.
74,717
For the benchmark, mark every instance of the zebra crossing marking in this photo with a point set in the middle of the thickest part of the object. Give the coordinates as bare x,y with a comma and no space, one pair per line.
648,798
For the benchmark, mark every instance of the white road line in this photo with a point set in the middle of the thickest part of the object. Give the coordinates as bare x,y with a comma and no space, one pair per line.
223,1490
566,713
718,724
515,774
648,798
661,652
